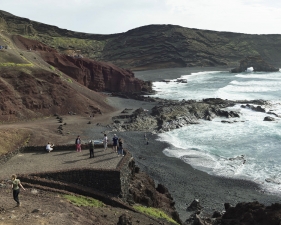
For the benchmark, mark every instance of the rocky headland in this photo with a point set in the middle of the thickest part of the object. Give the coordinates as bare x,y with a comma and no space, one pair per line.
255,62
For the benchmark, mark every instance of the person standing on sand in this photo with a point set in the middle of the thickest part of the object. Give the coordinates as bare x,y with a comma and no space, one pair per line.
16,184
105,139
120,147
78,144
91,146
114,143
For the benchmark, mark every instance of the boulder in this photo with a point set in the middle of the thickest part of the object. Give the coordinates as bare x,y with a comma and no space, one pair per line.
268,118
194,205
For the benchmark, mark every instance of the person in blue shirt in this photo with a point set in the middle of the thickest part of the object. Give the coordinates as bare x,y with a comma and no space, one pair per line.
114,143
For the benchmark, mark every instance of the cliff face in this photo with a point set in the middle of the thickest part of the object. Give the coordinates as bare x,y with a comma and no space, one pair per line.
29,93
153,46
98,76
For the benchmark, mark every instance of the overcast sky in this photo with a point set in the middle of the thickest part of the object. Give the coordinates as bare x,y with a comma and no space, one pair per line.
116,16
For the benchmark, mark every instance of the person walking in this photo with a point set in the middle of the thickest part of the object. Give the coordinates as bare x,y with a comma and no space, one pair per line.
78,144
114,143
120,147
91,148
105,139
16,184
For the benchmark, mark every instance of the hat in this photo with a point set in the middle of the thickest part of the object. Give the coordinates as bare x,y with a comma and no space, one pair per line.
114,134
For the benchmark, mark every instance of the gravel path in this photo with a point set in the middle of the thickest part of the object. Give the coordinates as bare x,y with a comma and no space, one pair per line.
32,162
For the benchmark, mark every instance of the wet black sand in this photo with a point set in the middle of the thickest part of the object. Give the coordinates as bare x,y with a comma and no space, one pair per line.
184,182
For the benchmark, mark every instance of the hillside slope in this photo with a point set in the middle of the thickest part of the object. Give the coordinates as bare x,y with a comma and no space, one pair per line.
153,46
30,88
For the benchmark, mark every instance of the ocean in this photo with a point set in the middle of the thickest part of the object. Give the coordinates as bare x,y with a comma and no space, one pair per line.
249,148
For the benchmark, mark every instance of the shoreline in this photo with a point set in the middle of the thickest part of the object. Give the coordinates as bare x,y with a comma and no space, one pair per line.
186,183
173,73
183,181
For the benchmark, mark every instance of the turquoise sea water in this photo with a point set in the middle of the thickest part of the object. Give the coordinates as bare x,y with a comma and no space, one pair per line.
222,148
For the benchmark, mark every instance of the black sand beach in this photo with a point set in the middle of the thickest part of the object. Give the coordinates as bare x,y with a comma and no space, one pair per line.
184,182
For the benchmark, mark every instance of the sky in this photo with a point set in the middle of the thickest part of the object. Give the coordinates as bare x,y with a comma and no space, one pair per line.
117,16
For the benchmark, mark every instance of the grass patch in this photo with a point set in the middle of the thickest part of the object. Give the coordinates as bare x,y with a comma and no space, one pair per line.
11,139
156,213
69,80
15,65
84,201
52,68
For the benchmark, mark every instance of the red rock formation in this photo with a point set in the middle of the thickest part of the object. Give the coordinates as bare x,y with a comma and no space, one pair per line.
98,76
35,92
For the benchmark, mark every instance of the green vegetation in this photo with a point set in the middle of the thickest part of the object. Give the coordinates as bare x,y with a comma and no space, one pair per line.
157,213
87,47
69,80
83,201
52,68
16,64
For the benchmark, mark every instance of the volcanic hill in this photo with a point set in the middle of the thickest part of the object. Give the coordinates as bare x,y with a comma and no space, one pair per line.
152,46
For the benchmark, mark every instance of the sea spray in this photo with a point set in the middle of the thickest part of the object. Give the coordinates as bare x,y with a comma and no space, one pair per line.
245,147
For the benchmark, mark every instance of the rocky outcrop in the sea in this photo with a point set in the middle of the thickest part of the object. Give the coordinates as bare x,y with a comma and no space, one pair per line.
254,108
169,114
98,76
258,64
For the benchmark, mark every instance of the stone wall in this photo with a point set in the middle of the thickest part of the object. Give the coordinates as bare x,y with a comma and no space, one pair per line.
112,181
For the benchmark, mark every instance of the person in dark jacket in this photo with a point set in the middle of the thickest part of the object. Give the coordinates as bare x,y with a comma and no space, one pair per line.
120,147
91,148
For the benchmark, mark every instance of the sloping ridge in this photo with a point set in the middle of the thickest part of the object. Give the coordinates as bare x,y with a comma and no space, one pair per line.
152,46
30,88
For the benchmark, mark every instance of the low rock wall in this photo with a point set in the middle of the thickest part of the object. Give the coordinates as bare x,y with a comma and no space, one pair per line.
112,181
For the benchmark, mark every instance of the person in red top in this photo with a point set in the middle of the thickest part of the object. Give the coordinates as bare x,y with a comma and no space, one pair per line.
78,144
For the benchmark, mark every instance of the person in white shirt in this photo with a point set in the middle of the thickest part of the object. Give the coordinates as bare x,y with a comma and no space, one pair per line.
49,147
105,142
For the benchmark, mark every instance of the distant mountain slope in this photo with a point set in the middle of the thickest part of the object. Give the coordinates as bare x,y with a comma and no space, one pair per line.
153,46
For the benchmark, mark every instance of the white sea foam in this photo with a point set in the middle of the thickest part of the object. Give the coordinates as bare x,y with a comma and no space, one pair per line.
217,147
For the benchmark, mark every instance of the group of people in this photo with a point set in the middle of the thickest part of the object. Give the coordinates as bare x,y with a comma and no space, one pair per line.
117,145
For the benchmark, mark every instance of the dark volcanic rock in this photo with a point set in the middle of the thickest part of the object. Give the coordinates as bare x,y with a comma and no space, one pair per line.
142,190
194,205
251,213
268,118
254,108
170,114
256,62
